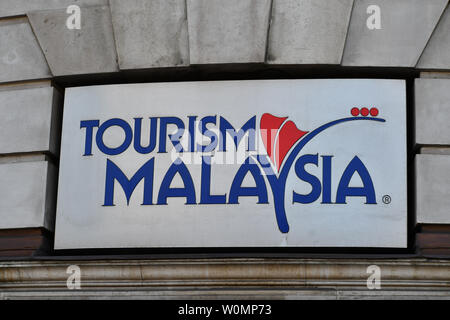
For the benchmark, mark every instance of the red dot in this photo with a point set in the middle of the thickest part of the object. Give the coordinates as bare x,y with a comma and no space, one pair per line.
373,112
355,112
364,112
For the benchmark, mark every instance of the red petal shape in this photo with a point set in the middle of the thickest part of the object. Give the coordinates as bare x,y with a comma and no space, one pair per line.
269,126
288,136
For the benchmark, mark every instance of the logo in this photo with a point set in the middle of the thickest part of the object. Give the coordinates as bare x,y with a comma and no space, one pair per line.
283,143
282,137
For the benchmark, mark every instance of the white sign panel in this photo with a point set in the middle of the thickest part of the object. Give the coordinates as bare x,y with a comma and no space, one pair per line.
309,163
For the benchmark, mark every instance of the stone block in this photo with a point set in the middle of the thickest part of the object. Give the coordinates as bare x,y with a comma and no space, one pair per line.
21,58
30,119
432,103
27,195
20,7
308,31
433,188
150,34
405,27
90,49
233,31
437,52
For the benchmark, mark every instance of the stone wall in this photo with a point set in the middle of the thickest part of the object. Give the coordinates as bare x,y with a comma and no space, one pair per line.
39,55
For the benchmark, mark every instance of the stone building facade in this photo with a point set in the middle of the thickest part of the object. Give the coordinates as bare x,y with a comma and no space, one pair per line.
43,52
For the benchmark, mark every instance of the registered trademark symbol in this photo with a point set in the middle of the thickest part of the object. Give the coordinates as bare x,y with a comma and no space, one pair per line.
386,199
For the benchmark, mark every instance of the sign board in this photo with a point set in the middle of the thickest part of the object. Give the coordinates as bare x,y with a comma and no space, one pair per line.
308,163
